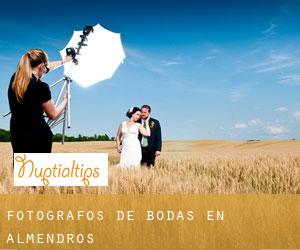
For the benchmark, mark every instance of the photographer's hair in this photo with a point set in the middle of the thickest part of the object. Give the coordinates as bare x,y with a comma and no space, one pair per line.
28,61
131,111
146,107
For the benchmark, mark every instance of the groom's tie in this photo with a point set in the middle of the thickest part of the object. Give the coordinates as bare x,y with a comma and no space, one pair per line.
145,139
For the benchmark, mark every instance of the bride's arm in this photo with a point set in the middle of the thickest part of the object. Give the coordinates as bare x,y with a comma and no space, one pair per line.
118,139
143,131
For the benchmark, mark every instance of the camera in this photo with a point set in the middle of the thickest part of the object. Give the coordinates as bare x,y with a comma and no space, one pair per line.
71,52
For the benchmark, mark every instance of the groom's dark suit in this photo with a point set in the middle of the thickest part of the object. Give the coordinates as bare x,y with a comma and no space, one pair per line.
154,143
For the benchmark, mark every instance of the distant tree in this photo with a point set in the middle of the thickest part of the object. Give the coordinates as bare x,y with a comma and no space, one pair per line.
4,135
71,138
57,137
105,137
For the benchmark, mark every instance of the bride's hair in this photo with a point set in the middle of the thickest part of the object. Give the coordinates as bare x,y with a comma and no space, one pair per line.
131,111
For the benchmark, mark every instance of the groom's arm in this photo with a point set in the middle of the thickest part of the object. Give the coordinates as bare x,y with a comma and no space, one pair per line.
158,138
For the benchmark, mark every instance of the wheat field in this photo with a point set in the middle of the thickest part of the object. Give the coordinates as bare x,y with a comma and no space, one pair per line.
185,167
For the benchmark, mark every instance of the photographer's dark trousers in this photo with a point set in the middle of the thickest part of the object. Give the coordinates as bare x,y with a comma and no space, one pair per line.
148,158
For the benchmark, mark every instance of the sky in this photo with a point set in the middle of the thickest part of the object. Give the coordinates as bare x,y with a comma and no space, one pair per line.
209,69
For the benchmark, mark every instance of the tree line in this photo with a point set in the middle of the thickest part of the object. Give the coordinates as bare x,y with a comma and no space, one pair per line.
5,137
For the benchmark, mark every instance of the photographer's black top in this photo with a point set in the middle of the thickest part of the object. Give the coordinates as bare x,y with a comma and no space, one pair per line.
29,131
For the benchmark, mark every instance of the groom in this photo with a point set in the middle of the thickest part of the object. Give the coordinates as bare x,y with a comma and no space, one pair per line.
151,146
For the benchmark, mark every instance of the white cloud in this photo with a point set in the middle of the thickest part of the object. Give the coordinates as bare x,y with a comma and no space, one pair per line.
276,61
175,61
138,58
236,95
257,126
134,53
289,79
241,125
169,63
280,109
297,115
270,31
215,50
279,66
275,130
255,122
273,58
209,58
192,121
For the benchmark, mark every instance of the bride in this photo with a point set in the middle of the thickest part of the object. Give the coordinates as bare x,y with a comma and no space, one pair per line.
128,143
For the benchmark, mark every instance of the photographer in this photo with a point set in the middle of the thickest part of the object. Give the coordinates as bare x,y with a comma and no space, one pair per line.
29,98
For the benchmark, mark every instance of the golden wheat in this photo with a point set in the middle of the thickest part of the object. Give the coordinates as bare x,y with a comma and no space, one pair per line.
186,167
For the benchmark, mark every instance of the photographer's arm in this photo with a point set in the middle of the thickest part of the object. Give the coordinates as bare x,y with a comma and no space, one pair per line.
158,140
52,111
55,64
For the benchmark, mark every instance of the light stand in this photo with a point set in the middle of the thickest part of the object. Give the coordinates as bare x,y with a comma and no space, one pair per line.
65,115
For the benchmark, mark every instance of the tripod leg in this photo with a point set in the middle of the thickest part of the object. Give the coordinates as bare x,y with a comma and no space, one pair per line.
60,94
69,104
50,122
64,126
66,116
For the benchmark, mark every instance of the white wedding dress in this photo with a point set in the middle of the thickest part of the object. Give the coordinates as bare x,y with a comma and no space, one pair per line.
131,154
